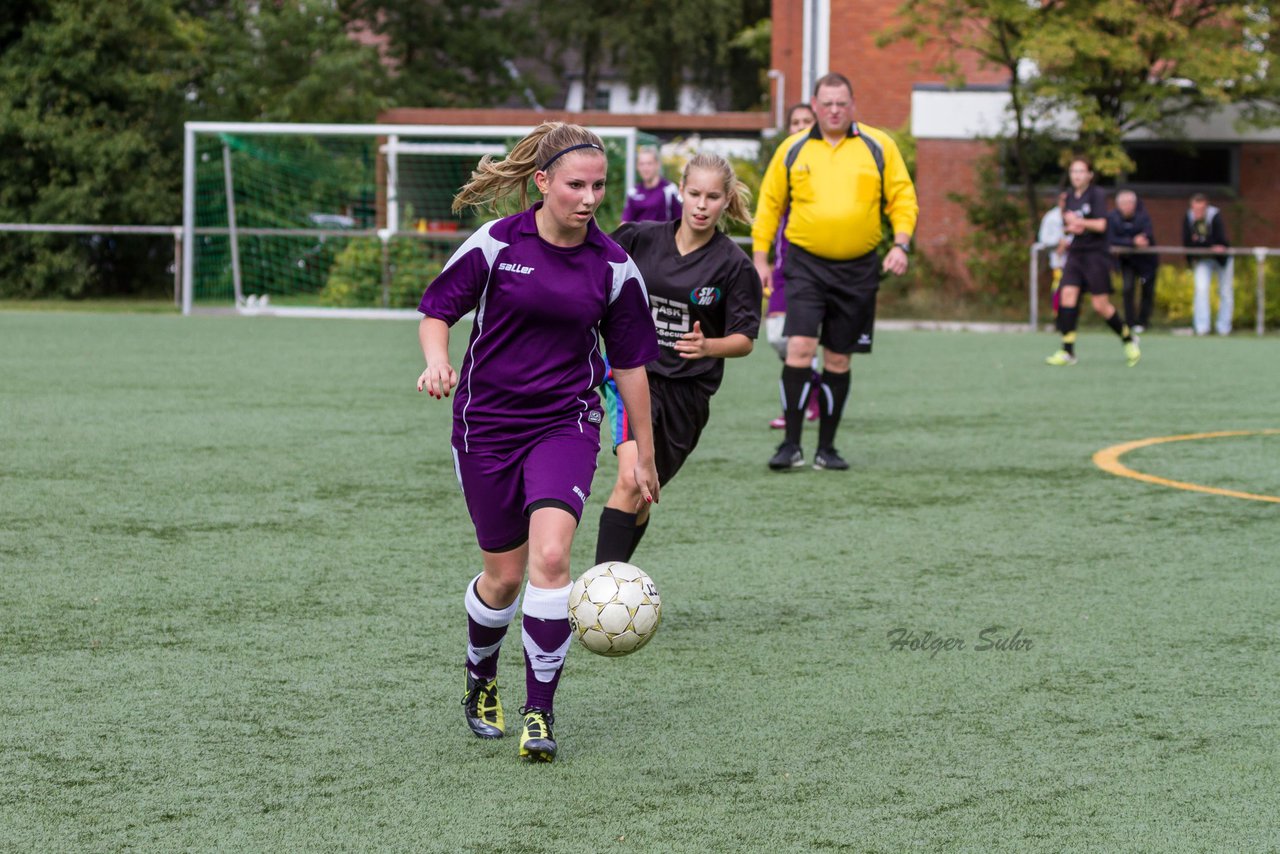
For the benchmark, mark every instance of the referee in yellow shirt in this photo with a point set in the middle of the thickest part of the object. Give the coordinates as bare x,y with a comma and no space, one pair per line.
835,179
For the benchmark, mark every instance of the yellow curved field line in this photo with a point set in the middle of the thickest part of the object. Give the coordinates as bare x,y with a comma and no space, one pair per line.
1108,459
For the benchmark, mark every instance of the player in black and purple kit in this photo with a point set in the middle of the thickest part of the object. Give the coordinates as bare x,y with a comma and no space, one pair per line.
1088,266
705,295
547,286
653,198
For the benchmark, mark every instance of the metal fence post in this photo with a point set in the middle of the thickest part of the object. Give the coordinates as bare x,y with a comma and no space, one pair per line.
1035,287
1260,256
177,266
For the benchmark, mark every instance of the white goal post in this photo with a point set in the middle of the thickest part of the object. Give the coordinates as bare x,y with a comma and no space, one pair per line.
253,233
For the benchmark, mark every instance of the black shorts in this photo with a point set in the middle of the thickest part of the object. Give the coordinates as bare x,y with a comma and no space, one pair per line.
679,408
1089,271
833,301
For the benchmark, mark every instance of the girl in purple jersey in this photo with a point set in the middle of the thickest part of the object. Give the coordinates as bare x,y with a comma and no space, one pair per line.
799,118
546,286
705,296
653,197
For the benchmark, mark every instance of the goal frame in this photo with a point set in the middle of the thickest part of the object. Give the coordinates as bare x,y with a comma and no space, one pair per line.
390,147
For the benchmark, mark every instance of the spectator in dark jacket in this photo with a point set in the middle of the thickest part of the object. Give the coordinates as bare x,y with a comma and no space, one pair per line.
1129,226
1203,228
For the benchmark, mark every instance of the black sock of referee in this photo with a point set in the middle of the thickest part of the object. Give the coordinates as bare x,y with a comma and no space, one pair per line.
1119,327
796,387
832,396
1067,320
617,535
635,540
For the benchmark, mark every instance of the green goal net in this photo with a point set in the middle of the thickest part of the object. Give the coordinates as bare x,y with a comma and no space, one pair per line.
333,218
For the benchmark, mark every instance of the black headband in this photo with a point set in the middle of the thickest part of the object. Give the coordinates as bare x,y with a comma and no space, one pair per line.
565,151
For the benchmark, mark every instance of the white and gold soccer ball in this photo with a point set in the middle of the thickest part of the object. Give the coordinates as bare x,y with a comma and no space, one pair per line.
614,608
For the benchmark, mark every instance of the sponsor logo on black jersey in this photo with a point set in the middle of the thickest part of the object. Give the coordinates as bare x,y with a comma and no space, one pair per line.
704,296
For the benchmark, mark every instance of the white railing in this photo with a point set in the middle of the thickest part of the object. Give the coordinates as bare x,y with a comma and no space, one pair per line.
1260,253
174,231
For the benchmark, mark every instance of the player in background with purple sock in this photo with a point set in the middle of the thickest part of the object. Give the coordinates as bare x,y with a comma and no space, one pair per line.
799,118
546,286
705,295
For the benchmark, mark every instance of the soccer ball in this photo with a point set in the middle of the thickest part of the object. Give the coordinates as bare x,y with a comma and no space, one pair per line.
614,608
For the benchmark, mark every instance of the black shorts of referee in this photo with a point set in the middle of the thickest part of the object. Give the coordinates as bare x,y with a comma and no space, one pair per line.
833,301
1089,271
679,409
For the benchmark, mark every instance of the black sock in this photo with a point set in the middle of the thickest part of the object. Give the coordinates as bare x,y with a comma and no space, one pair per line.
832,396
1067,320
617,533
1119,328
635,540
795,394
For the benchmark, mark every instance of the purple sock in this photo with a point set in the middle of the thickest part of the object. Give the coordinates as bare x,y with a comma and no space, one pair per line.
546,640
486,627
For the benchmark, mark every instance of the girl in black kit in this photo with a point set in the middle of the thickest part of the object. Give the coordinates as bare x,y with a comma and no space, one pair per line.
1088,266
705,296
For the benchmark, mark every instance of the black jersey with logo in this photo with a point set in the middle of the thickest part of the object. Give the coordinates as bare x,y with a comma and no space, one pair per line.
716,286
1091,204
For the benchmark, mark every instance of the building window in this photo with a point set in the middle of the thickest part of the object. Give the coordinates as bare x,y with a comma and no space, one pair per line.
1200,166
603,97
1160,168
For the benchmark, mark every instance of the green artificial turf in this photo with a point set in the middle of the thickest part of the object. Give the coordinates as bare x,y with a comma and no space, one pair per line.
232,556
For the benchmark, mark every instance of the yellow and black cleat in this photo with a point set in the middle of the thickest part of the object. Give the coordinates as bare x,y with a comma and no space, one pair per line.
1131,353
1061,359
482,707
537,744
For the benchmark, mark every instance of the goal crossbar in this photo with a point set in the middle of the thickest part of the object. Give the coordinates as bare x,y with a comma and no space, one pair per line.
395,140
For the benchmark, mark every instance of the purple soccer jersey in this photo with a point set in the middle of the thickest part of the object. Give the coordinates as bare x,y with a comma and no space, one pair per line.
660,203
533,360
778,296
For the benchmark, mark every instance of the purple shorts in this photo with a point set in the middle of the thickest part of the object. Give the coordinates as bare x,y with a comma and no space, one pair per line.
501,488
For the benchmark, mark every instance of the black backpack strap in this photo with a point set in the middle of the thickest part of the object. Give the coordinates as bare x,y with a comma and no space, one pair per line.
877,154
793,154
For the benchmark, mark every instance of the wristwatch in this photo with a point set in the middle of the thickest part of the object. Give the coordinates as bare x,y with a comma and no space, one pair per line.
906,248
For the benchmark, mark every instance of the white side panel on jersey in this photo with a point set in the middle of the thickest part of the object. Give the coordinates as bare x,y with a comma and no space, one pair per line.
483,239
622,272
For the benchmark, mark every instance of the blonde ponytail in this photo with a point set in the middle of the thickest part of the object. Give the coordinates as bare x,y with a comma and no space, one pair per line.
495,181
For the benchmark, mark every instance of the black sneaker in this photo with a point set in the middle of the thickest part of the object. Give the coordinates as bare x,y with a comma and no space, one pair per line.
789,456
537,744
482,707
830,459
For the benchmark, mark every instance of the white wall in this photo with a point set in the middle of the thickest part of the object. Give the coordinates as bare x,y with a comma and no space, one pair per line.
692,100
970,114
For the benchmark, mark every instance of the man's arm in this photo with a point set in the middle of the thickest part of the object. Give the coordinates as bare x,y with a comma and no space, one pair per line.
773,199
901,205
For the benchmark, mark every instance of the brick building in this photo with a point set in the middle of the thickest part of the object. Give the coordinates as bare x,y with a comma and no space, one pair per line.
895,88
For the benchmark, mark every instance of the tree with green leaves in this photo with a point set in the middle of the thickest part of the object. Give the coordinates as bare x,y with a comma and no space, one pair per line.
997,32
665,44
1121,66
91,96
448,53
281,62
1128,65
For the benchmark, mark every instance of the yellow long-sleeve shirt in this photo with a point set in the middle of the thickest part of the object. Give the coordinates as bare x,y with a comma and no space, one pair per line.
834,194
